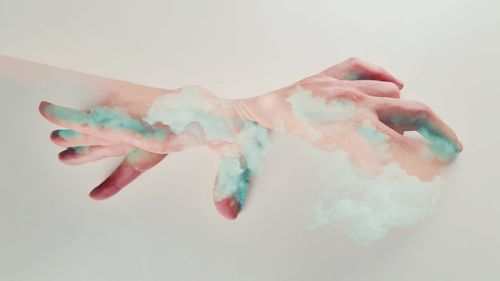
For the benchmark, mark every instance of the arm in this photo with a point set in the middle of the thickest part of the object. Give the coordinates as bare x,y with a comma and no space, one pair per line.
331,110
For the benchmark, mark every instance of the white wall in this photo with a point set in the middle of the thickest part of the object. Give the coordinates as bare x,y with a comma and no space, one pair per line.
164,227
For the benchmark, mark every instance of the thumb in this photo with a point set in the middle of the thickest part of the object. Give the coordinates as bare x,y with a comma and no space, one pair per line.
236,170
231,186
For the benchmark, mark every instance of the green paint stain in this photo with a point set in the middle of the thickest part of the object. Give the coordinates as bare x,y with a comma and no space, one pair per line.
437,142
235,173
371,134
352,76
368,207
69,134
377,139
106,117
234,177
81,149
255,143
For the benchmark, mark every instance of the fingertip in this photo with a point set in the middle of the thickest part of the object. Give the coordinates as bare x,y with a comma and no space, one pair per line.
42,107
69,152
459,146
446,132
399,83
56,138
70,155
102,192
228,207
97,196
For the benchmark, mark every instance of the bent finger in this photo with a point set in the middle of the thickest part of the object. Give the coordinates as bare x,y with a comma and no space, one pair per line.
415,116
358,69
375,88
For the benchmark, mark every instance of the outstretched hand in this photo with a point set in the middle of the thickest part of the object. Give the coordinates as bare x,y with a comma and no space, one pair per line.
145,124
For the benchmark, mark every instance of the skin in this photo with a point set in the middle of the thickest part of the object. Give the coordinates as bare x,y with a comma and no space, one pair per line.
366,96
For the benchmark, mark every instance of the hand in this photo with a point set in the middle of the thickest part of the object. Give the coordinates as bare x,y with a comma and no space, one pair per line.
87,142
145,124
355,107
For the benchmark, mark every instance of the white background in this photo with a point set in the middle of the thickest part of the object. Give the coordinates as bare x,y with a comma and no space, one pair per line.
164,226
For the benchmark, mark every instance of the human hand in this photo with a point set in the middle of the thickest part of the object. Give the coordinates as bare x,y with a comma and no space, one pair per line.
355,107
86,142
145,124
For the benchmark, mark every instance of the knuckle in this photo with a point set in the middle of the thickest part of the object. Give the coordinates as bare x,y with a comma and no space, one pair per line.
353,60
357,96
307,80
422,110
355,63
391,89
352,95
318,80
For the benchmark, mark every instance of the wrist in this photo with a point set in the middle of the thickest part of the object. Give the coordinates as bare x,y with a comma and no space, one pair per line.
261,109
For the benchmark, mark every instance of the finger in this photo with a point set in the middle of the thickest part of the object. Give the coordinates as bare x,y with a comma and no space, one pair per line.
357,69
414,116
375,88
239,163
69,138
231,186
135,163
108,123
83,154
395,134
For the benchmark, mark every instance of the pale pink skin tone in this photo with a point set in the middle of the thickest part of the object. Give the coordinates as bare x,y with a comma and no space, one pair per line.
375,92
